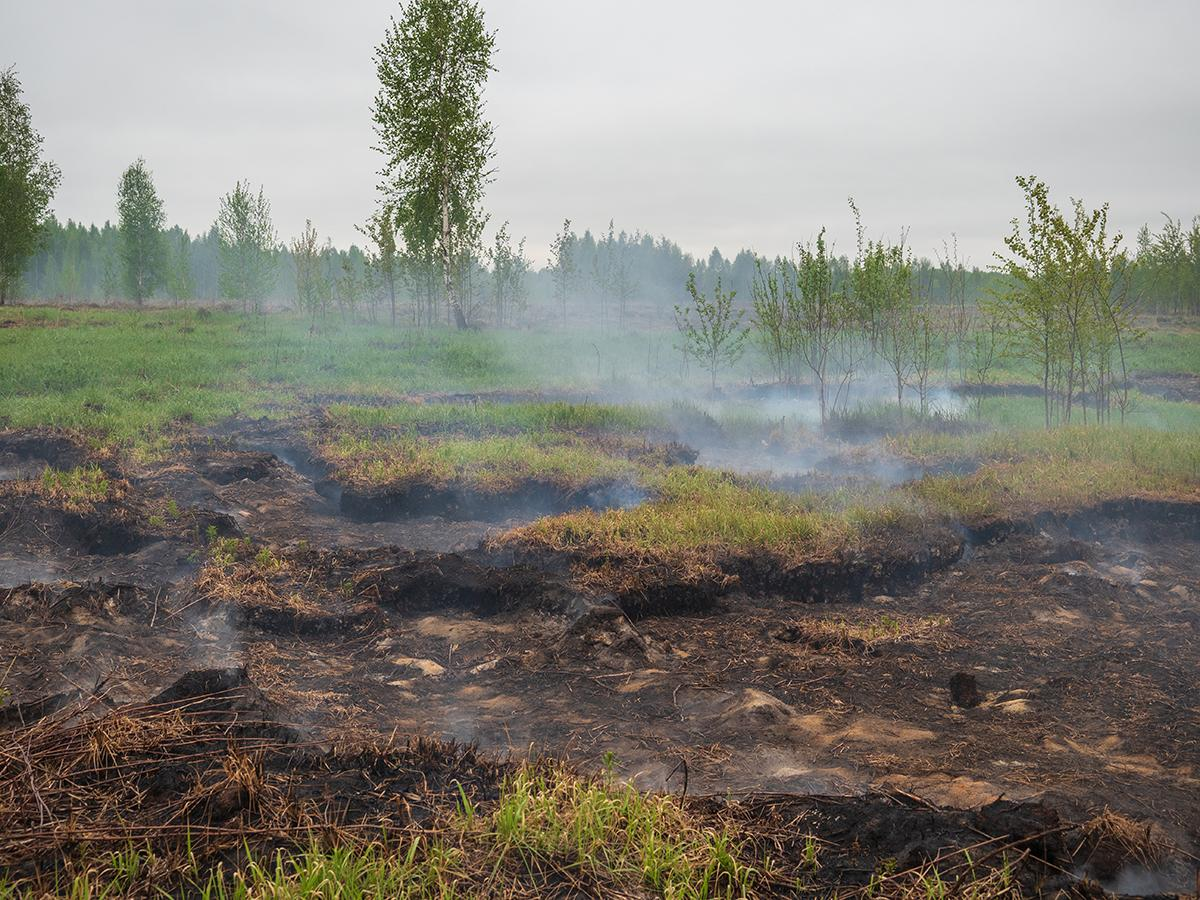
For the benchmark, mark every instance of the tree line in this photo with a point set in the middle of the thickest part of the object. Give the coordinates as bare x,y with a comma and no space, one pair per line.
1067,305
423,260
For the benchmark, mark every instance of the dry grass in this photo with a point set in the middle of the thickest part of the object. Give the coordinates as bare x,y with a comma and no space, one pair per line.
200,798
863,634
1111,841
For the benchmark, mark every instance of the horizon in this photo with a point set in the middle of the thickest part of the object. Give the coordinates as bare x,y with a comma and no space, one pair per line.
674,129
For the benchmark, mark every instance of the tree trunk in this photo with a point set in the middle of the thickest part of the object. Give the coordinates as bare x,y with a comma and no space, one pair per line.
452,301
391,279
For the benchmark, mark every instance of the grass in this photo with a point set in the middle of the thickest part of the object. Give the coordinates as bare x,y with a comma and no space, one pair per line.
493,464
130,377
1057,469
80,487
698,509
490,417
138,379
547,828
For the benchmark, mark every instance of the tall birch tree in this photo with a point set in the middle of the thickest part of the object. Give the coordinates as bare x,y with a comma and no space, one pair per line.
429,118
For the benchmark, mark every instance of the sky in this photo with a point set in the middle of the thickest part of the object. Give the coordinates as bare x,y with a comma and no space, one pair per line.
724,124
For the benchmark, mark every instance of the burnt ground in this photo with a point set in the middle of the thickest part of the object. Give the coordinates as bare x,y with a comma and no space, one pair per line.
1178,386
1054,661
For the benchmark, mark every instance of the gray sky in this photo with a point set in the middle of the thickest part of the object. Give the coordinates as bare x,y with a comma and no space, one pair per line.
729,123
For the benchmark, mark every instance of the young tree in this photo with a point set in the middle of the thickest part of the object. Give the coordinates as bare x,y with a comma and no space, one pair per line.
983,352
432,67
1068,304
247,247
27,184
180,284
898,320
816,314
563,266
953,272
773,316
716,336
624,286
312,289
141,218
382,255
349,284
509,267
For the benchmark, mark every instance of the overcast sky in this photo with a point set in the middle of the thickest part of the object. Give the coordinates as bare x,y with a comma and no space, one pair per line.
736,124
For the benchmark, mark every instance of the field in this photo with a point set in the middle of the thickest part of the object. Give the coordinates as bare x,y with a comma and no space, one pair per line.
349,609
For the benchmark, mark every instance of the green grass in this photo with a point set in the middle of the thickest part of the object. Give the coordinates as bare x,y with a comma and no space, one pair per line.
1144,411
490,417
78,487
702,510
1021,472
1158,350
547,827
129,377
490,464
1166,351
1056,469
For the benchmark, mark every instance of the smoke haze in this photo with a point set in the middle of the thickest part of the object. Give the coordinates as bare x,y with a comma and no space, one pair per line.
711,124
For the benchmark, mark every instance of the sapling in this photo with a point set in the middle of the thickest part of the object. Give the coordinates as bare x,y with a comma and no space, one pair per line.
716,335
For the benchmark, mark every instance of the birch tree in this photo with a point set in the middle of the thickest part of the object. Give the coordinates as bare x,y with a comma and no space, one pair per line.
429,118
27,184
247,247
141,216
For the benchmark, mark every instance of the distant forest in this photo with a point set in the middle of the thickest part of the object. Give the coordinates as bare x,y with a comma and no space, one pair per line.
78,263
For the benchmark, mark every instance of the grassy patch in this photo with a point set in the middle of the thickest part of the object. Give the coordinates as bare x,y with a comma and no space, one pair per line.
699,509
128,376
76,488
490,417
492,464
547,828
1055,469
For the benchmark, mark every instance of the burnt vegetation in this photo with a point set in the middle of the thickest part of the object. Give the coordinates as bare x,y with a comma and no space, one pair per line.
421,570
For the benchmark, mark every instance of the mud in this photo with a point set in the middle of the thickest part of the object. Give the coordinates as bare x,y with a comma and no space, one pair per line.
1080,634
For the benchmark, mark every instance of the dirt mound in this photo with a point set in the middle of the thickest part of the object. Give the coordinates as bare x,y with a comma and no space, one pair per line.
232,467
604,636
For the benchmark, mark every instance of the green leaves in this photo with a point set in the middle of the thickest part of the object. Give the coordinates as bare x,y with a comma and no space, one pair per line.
715,335
247,246
141,217
27,184
429,117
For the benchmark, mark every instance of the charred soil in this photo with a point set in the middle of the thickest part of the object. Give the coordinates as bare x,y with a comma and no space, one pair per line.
819,700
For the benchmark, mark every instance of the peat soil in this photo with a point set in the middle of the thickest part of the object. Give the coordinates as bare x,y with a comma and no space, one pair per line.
1050,661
